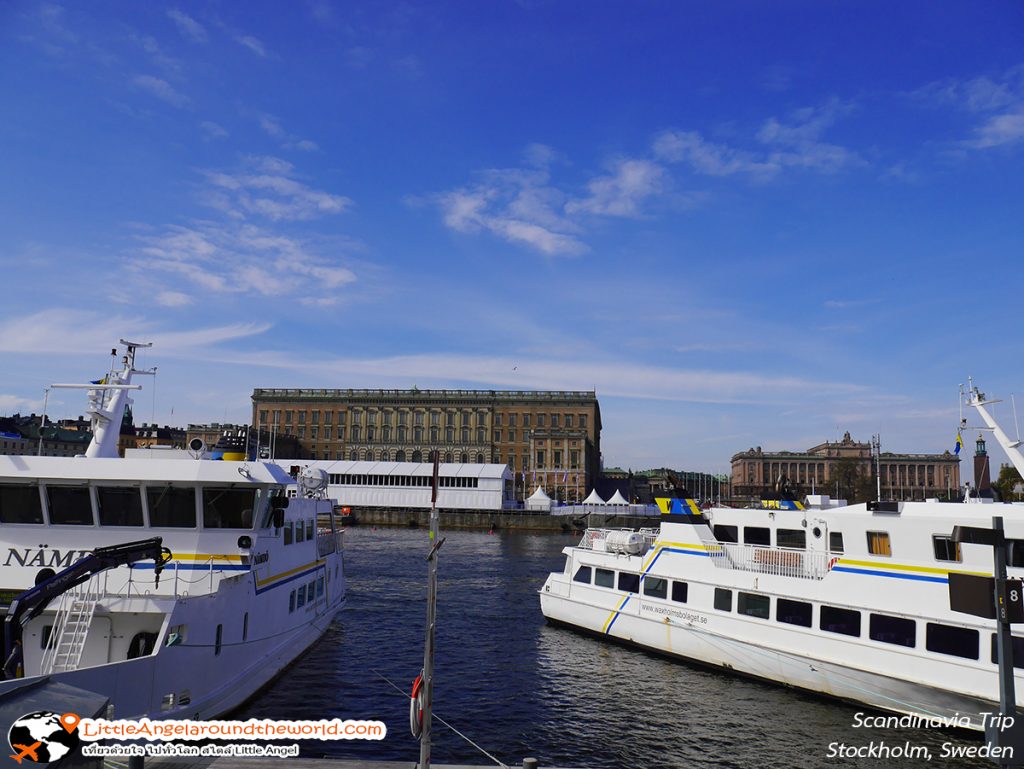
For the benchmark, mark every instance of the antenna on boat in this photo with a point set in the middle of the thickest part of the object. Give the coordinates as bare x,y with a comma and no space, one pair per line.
422,703
108,398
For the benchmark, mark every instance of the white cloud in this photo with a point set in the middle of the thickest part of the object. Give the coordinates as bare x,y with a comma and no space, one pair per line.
267,187
517,205
622,192
998,130
15,403
794,142
999,102
213,130
253,44
72,331
173,299
707,157
187,26
231,258
161,89
273,128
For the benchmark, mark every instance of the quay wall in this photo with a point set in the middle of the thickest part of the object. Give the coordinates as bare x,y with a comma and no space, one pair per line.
488,520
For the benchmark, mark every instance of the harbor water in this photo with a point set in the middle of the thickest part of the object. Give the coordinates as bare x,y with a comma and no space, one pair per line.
519,687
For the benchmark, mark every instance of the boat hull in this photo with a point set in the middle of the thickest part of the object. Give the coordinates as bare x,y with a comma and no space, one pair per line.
692,642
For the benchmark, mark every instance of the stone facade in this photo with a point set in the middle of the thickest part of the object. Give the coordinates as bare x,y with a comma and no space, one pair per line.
904,476
547,438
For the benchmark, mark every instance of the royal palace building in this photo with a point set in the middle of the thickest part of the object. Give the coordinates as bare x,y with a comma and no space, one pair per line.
547,438
822,467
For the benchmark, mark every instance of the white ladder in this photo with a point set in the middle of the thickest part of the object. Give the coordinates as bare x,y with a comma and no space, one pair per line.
71,627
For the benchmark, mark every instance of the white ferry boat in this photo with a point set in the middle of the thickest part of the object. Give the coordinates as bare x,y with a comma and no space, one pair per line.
850,601
248,581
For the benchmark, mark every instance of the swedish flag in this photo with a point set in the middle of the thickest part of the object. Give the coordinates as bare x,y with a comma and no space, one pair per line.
102,381
959,443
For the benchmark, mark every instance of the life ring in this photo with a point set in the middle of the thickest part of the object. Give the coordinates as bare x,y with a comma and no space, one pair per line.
416,708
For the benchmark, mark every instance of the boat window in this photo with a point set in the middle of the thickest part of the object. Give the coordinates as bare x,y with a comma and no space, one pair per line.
680,591
19,503
753,605
629,582
655,587
319,586
878,543
796,538
172,506
893,630
291,601
723,599
1018,651
300,597
47,634
310,592
288,533
582,575
955,641
1015,556
228,508
794,612
726,533
832,619
604,578
835,541
300,531
757,535
245,627
946,549
119,505
69,505
217,641
309,529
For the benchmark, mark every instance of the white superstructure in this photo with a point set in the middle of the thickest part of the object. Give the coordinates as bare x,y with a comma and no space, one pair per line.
254,578
406,485
850,601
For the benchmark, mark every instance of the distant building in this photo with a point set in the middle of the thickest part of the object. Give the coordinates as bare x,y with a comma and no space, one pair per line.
547,438
643,486
19,435
820,468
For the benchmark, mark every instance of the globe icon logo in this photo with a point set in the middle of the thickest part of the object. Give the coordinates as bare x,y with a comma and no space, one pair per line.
42,736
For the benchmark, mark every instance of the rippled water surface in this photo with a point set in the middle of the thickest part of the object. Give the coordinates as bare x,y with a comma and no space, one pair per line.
519,687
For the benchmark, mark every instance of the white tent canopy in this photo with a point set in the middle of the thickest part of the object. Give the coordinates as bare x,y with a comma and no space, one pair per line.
617,499
593,498
539,501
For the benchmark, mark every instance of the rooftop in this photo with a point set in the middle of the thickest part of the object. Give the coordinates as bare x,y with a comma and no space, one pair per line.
262,393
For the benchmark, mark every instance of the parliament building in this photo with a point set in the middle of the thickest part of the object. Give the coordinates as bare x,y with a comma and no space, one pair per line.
904,476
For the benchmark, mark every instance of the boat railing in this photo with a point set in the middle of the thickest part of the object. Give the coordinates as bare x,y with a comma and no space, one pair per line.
781,561
591,537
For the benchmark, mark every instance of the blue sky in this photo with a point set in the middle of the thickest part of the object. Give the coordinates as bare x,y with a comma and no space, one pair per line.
744,224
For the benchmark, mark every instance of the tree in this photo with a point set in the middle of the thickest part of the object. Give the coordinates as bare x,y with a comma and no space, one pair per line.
1007,482
855,485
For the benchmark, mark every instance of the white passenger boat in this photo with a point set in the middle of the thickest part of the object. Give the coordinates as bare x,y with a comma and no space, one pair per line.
850,601
250,581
